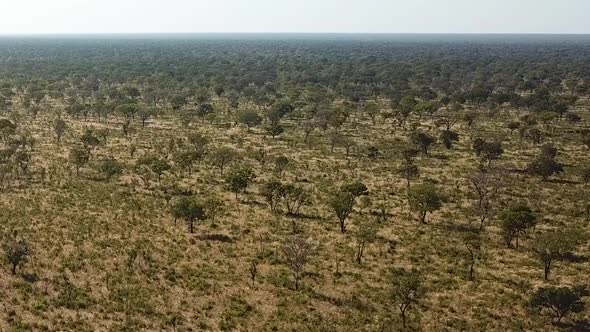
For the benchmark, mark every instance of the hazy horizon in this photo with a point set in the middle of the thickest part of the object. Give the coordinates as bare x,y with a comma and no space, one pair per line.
59,17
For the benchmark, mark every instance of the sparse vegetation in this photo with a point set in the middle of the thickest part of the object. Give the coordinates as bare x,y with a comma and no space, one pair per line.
274,185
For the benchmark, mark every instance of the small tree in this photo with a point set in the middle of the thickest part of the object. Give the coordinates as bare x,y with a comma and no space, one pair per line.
298,251
272,192
342,203
407,291
424,199
472,242
422,140
186,160
154,164
189,210
79,157
544,167
110,167
295,198
486,186
214,206
516,221
274,129
145,114
512,126
249,119
409,171
366,234
89,139
560,301
239,179
477,146
448,138
59,128
223,156
552,246
491,151
253,270
281,163
17,254
356,189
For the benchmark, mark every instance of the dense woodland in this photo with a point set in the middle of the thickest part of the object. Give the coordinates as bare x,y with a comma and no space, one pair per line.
295,183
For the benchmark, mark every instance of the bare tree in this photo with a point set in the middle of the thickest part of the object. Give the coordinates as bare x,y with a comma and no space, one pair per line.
298,250
486,185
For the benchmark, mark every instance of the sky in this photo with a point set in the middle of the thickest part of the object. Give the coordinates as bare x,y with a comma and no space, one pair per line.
339,16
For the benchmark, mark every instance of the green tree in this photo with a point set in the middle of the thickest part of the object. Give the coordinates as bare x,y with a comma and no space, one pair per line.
249,119
186,160
342,203
407,291
214,206
188,209
272,192
555,245
79,157
515,221
560,301
422,140
274,129
448,138
154,164
110,167
239,179
365,235
491,151
544,167
295,198
17,254
59,128
425,198
223,156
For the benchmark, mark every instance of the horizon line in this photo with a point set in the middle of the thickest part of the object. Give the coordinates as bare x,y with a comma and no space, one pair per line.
2,34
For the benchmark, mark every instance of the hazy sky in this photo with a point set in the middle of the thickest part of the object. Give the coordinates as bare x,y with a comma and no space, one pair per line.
403,16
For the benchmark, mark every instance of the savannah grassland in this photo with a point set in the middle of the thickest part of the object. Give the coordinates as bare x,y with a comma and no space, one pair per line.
108,255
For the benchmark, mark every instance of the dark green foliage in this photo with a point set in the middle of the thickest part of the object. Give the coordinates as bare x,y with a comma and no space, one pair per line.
559,301
491,151
156,165
356,189
422,140
275,129
516,221
249,118
272,192
223,156
188,209
342,203
555,245
59,127
407,291
544,167
110,167
17,254
79,157
448,138
239,179
425,198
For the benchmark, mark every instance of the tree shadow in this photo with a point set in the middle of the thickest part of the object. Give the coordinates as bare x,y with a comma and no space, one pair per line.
30,277
575,326
573,258
216,238
563,181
